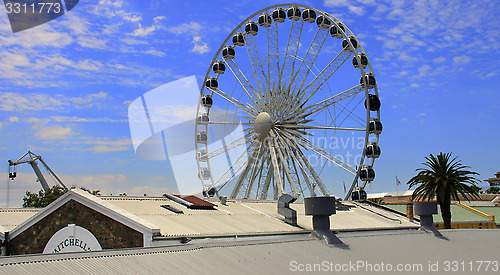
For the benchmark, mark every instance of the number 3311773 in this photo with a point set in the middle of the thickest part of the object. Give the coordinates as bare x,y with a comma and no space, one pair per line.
33,7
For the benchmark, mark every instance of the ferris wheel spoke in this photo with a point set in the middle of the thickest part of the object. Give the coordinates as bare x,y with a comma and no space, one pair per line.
313,147
273,63
229,123
253,174
257,172
243,175
269,178
291,52
307,169
350,113
295,126
286,169
314,108
307,178
288,103
245,107
275,166
233,170
289,151
325,74
236,143
293,164
310,169
258,68
245,84
309,59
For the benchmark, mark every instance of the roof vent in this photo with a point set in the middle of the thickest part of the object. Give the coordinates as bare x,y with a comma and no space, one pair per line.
171,208
425,209
285,210
321,208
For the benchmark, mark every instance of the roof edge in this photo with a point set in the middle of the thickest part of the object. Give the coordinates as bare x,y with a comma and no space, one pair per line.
106,208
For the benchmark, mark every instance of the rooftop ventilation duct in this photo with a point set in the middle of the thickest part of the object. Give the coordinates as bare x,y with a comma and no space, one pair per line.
285,210
321,208
425,209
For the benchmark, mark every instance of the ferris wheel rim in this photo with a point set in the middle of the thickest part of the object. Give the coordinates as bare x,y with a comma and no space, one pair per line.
357,51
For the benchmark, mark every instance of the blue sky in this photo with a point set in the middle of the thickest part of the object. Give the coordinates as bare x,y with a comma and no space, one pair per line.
65,86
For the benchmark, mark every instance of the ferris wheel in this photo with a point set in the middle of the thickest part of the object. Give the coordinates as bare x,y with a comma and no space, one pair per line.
289,105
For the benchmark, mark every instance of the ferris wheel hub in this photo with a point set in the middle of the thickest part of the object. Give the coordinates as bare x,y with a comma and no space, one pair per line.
263,123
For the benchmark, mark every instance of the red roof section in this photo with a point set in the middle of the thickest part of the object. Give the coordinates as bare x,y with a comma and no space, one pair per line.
197,202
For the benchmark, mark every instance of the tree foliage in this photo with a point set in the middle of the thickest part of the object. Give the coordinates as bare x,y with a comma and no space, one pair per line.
444,179
377,200
44,198
493,190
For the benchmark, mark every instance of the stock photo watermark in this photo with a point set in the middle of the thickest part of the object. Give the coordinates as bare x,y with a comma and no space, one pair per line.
370,267
26,14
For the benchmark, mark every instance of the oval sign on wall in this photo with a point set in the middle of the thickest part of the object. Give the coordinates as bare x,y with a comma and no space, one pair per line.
72,238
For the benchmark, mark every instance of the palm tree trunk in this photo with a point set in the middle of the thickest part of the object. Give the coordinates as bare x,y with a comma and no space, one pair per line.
445,204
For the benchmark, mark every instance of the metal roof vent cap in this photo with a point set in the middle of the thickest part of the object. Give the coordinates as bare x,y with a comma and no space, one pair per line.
284,208
321,208
425,209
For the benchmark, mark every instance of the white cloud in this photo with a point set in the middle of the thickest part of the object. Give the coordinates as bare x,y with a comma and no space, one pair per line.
10,101
199,46
17,102
144,31
154,52
41,36
140,31
83,119
356,9
132,18
11,59
423,70
131,41
460,60
88,65
440,59
192,28
108,145
35,120
103,179
91,42
77,24
410,30
8,121
54,132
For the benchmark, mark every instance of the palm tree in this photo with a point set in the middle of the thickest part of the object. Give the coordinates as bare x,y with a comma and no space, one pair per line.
444,179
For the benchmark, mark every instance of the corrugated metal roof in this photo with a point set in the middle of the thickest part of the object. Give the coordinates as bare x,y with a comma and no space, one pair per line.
458,214
360,216
10,218
236,217
245,216
232,218
411,249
